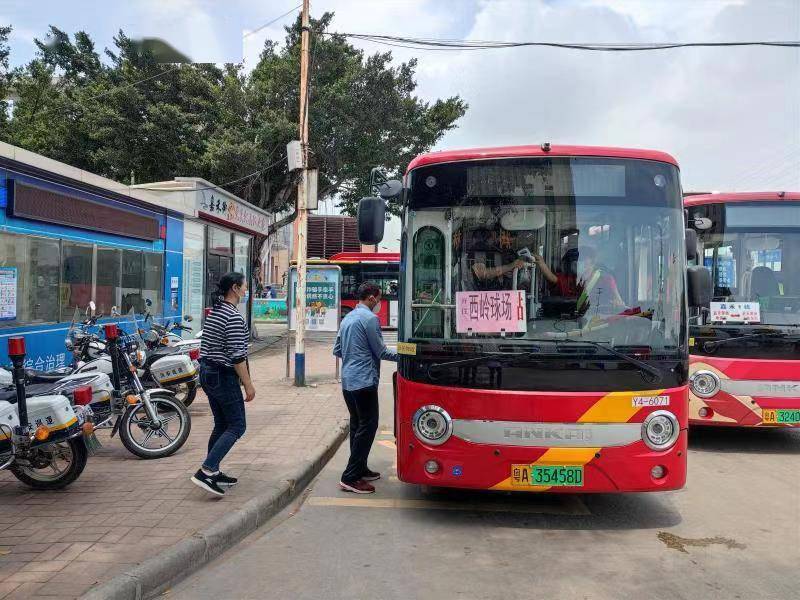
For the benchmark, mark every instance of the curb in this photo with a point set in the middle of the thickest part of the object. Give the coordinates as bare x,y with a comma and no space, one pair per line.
159,572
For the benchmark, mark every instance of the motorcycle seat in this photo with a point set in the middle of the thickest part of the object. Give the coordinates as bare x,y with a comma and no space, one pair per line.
9,394
36,376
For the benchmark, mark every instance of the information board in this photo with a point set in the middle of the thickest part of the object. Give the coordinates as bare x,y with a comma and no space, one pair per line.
323,285
735,312
8,293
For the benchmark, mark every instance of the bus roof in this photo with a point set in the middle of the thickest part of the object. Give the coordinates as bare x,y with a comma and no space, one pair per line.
724,197
375,257
444,156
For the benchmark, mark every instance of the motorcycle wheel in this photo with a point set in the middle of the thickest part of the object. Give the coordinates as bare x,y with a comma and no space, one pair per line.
185,392
145,442
64,465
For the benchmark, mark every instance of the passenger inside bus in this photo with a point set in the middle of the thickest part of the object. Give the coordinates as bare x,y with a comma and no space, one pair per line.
492,259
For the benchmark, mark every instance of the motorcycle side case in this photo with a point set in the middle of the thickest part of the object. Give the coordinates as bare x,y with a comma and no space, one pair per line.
99,382
54,412
174,369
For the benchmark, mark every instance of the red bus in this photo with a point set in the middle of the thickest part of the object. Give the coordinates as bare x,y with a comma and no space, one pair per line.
744,358
381,268
543,327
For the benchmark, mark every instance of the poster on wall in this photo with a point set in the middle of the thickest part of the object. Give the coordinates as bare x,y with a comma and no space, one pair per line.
322,298
8,293
173,293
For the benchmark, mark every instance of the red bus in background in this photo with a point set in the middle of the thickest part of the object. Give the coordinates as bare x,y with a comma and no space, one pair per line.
744,363
381,268
543,328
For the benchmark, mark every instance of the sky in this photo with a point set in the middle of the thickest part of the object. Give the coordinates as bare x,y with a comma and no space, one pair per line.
730,116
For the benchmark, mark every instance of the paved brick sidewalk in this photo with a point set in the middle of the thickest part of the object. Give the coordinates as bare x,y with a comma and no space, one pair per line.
123,510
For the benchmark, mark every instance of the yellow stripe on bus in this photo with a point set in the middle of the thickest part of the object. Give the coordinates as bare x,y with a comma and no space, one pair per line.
616,407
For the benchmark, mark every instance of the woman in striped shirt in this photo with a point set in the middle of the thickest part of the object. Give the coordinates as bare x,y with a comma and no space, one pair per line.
223,354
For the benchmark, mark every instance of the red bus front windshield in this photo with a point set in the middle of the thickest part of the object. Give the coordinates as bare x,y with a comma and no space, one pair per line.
384,275
591,247
753,252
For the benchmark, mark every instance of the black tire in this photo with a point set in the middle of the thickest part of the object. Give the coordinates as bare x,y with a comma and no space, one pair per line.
131,423
185,392
75,448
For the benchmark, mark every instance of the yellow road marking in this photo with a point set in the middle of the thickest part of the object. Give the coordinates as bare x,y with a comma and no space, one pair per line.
387,444
568,505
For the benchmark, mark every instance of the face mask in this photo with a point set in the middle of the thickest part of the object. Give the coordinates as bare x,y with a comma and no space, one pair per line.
376,308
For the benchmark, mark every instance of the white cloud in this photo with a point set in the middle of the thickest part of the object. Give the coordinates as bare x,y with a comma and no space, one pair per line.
189,26
726,114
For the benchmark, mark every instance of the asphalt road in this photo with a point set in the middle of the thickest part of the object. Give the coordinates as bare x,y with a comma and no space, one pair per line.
733,532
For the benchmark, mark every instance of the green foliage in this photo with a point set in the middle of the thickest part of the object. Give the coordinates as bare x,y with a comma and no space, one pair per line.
5,76
127,115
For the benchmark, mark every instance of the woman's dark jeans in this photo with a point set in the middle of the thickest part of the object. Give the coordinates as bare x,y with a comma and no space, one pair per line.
221,385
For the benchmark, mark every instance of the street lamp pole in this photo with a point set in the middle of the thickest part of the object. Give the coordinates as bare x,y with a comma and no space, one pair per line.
302,212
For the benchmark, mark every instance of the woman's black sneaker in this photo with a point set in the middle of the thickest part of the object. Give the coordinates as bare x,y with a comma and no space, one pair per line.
223,479
208,482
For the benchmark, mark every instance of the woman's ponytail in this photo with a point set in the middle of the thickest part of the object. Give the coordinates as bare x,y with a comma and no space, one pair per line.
224,286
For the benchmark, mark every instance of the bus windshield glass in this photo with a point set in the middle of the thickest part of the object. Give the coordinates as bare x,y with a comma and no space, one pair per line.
753,251
508,255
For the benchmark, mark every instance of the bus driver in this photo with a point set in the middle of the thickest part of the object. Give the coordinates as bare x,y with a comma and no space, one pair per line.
583,277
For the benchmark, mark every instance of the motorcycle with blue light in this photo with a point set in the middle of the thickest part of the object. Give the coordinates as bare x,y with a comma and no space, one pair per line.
41,438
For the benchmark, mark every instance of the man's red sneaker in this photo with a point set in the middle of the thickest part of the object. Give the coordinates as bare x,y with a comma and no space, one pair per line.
370,475
358,487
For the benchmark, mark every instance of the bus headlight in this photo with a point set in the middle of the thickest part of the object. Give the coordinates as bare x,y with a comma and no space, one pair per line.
704,383
432,425
660,430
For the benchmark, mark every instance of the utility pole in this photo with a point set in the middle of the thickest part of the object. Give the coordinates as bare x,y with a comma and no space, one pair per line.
302,213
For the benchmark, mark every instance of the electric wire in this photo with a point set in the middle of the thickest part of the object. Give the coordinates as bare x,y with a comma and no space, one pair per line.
455,44
265,25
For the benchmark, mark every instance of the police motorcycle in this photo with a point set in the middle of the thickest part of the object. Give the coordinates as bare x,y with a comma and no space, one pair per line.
170,361
151,422
67,380
91,356
41,438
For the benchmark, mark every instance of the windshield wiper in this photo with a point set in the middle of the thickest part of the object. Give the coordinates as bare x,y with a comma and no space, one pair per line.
763,334
655,374
484,357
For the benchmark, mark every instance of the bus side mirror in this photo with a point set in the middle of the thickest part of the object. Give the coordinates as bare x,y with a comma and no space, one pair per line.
371,220
691,244
699,287
391,189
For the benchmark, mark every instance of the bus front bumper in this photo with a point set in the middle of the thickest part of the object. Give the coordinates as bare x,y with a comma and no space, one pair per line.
743,392
461,464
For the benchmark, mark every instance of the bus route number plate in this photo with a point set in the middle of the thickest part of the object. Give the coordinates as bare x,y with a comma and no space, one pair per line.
780,416
547,475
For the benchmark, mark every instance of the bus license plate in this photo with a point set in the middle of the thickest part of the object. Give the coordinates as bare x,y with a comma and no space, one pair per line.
779,416
547,475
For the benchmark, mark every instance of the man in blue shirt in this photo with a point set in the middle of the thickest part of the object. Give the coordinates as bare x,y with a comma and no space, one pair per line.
361,348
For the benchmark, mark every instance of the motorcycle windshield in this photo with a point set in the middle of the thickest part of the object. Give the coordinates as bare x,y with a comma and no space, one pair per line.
132,325
74,325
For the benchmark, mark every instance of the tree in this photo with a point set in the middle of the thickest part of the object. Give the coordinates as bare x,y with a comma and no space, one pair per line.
5,76
127,115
